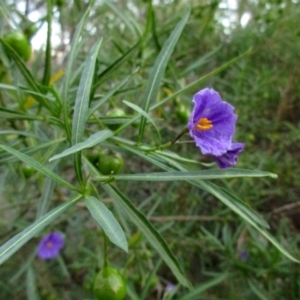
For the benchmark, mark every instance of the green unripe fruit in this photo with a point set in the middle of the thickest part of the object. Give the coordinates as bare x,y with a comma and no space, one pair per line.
109,285
30,30
115,113
182,114
19,42
59,3
28,171
108,164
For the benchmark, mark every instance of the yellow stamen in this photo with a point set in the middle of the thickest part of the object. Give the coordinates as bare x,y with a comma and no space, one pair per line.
204,124
49,244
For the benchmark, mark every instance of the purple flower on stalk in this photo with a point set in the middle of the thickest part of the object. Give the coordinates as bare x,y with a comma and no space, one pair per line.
50,245
229,158
212,126
212,123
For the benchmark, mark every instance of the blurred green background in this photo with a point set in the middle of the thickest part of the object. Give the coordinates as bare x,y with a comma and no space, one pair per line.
222,256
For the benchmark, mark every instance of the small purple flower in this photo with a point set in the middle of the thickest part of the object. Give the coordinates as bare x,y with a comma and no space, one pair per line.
50,245
229,158
243,255
170,287
212,123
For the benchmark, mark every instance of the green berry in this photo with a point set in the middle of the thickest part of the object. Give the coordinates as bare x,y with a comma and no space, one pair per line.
109,285
19,42
108,164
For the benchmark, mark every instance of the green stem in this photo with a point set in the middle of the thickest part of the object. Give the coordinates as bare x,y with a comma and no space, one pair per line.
184,131
106,263
169,144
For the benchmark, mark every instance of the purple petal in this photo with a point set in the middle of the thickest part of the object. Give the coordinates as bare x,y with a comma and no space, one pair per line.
229,159
216,140
50,245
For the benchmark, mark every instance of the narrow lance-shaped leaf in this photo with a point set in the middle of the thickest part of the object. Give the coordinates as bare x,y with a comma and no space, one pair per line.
197,82
233,203
143,113
238,207
47,69
153,236
15,243
109,94
159,69
114,66
191,175
38,166
107,221
200,289
32,292
93,140
82,104
46,196
69,68
5,157
10,114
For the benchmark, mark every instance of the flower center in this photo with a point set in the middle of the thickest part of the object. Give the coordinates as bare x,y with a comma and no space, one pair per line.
49,244
204,124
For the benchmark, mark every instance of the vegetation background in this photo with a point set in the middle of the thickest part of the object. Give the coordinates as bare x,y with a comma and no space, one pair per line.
247,50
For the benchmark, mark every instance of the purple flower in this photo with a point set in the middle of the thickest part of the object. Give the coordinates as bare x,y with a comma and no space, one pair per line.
243,255
212,123
50,245
229,158
170,287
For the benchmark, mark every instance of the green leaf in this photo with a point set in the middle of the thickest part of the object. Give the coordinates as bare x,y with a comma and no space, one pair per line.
201,61
15,243
159,69
11,114
28,77
48,58
259,294
38,166
93,140
197,82
109,94
114,66
46,196
31,288
191,175
82,104
227,198
153,236
240,208
245,212
5,157
128,20
198,290
107,221
69,68
143,113
17,133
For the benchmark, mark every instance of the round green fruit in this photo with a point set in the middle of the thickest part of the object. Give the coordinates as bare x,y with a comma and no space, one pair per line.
28,171
115,113
182,114
30,30
19,42
109,285
108,164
